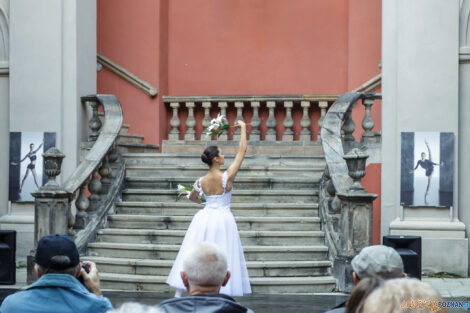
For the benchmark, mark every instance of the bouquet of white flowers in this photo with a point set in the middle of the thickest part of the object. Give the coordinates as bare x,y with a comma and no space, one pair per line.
186,191
218,126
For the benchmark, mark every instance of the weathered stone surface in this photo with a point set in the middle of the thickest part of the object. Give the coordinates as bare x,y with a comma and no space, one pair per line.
346,209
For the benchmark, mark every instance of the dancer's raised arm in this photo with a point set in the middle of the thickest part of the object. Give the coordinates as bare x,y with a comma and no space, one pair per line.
235,166
38,147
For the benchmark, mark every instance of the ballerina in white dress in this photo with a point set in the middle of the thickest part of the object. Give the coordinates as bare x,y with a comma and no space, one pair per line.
215,223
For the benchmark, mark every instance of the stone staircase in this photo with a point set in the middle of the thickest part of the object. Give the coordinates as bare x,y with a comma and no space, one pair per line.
274,202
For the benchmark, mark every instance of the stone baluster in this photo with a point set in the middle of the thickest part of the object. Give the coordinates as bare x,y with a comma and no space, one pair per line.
94,123
174,122
82,204
239,105
288,122
323,105
206,121
305,134
105,171
113,157
223,111
271,122
255,134
94,187
190,122
348,127
368,122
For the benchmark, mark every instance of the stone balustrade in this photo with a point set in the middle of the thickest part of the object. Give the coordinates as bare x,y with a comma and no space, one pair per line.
345,207
269,118
101,172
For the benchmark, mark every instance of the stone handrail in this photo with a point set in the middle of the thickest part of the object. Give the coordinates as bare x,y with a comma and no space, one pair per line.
102,160
127,76
101,171
297,123
345,207
337,120
370,85
104,141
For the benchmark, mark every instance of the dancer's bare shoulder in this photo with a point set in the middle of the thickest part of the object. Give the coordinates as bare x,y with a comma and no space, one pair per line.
212,183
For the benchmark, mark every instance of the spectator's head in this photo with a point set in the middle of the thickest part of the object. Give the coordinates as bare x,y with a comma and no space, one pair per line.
133,307
394,293
359,294
57,254
205,269
380,261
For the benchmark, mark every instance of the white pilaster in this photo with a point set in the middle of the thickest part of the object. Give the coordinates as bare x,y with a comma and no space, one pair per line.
421,93
464,114
52,64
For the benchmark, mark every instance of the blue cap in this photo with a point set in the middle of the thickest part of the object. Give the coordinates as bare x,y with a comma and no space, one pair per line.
55,245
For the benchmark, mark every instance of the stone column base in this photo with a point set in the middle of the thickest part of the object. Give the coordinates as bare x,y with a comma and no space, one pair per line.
444,246
342,271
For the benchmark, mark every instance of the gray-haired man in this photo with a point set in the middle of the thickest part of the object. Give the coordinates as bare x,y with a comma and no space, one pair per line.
204,272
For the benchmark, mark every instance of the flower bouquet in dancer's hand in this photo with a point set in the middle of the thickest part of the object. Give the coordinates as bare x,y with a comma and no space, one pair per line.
218,126
186,191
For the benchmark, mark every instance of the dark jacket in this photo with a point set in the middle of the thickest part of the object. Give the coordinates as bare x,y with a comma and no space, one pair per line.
340,308
204,304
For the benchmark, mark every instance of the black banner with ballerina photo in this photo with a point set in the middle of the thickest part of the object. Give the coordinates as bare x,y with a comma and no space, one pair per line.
26,163
427,169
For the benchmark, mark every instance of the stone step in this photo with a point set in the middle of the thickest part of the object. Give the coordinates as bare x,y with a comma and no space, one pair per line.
112,281
187,208
125,129
273,285
169,252
255,268
285,160
130,138
253,147
196,171
243,222
243,182
246,196
125,147
262,237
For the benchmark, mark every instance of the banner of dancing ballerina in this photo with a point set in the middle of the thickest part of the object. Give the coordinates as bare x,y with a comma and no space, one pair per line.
26,163
427,169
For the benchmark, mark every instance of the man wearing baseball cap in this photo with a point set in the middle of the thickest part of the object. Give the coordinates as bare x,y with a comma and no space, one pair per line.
374,261
57,266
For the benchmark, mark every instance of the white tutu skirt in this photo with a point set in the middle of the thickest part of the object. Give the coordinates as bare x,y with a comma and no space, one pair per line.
217,226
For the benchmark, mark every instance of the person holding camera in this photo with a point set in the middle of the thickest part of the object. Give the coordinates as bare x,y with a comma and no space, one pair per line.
58,289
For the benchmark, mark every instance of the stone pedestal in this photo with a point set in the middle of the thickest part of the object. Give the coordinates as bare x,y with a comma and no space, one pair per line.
51,207
356,225
51,216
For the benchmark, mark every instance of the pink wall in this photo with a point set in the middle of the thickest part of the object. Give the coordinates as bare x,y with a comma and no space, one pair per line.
135,37
364,52
235,47
257,47
213,47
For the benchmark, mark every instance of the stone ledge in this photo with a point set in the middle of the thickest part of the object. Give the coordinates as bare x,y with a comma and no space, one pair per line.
427,225
253,147
17,219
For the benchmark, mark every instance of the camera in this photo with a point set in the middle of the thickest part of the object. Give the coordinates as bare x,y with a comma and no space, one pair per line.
87,269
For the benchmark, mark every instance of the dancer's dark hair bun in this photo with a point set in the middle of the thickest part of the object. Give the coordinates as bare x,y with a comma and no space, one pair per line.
209,154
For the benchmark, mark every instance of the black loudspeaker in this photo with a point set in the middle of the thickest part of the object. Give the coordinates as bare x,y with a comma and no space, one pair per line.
409,248
7,257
